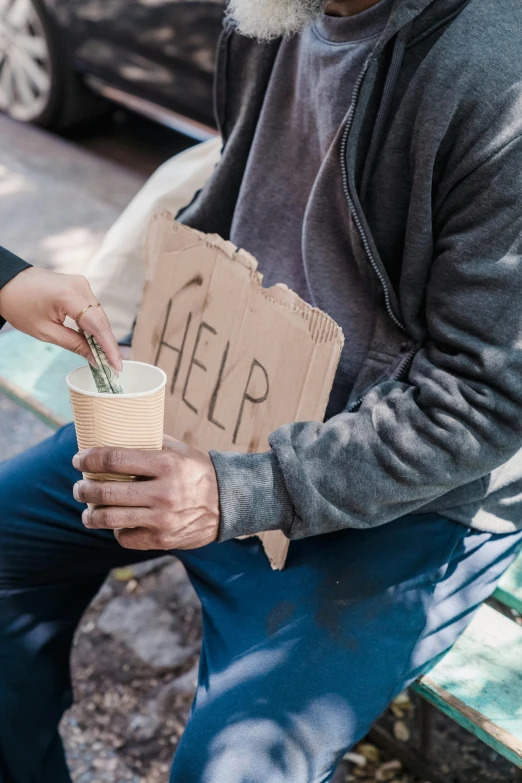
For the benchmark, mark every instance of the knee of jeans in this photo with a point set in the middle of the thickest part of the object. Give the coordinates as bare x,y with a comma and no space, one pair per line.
261,750
28,480
288,746
14,568
20,547
34,488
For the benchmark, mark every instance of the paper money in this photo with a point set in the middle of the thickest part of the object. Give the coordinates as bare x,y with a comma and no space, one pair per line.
105,377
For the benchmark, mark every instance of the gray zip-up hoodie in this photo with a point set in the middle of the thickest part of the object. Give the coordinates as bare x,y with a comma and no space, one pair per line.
432,169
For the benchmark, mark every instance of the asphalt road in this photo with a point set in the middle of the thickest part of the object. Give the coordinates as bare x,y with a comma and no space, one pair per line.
58,196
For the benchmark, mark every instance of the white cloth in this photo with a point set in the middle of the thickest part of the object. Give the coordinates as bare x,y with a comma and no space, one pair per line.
117,271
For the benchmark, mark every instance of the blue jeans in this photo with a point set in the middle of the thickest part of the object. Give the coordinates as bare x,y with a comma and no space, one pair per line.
295,666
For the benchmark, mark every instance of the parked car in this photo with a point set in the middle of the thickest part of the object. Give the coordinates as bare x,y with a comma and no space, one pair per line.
153,56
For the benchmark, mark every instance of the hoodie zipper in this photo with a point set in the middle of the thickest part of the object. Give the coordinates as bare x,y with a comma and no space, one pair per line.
349,199
395,376
409,356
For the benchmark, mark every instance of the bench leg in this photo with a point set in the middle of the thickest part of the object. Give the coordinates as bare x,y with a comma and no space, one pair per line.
409,758
427,712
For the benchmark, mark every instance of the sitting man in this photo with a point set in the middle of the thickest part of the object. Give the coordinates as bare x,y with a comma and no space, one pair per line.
372,161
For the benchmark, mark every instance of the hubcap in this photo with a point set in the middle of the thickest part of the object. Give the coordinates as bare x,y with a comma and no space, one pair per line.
25,64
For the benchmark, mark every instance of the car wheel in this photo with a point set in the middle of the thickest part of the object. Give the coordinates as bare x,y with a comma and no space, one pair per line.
37,83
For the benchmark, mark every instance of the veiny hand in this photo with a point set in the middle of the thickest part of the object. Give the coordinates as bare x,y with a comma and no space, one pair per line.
176,508
37,301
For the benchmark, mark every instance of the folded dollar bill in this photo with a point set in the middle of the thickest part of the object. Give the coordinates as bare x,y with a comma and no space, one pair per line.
105,377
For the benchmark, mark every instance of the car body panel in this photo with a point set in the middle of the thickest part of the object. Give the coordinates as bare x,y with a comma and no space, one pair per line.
159,50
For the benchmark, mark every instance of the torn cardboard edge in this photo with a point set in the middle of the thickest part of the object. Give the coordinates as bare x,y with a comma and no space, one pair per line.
241,359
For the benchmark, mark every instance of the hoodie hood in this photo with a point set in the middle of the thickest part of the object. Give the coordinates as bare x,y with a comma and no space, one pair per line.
423,15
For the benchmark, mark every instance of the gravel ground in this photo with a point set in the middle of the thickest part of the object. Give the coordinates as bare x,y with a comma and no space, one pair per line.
134,665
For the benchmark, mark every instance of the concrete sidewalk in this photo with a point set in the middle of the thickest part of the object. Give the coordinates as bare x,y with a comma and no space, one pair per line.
57,200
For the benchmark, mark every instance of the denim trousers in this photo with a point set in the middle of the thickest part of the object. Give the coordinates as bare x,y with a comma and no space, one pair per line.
295,665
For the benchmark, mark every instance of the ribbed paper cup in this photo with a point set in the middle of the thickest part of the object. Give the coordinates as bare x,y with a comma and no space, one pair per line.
133,420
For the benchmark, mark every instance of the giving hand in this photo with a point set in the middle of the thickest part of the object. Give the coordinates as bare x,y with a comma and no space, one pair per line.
37,302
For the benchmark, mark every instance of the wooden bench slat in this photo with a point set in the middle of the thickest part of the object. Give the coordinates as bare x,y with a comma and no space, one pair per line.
479,682
33,373
509,591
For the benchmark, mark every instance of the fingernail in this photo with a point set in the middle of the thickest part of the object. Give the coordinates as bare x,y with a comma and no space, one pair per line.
86,517
77,459
76,490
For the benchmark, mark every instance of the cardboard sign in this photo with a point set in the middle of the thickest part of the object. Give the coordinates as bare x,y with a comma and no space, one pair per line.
241,360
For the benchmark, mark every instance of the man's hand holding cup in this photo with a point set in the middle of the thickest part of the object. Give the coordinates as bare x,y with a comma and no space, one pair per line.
173,505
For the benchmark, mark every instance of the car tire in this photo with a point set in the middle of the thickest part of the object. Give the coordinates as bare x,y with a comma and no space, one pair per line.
37,83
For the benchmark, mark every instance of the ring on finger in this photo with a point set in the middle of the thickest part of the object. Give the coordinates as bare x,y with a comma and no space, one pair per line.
77,319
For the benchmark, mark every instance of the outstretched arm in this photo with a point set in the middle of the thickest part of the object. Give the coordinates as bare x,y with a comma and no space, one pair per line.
37,302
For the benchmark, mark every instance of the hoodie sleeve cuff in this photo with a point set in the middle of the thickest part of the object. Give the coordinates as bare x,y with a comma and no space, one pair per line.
252,494
10,266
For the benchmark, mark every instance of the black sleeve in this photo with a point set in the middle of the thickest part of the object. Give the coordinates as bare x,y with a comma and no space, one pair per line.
10,266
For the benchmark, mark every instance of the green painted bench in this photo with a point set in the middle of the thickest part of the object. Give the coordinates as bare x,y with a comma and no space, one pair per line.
478,683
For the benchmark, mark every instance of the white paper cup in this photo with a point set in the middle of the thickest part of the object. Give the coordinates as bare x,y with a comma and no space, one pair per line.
133,420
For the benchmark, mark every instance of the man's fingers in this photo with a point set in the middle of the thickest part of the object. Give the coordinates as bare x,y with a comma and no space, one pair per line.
113,493
131,462
113,517
138,538
70,340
